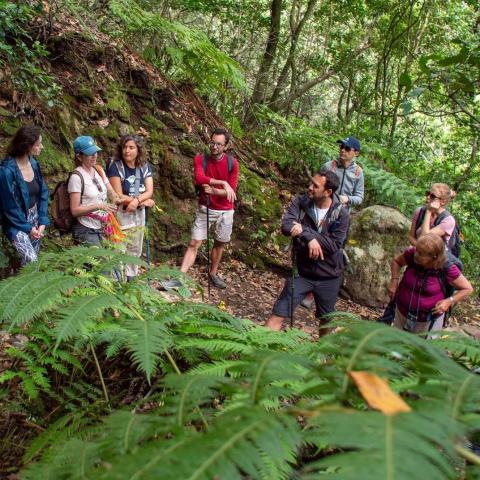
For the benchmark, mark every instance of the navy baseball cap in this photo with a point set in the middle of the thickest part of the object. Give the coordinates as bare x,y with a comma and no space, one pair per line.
351,142
85,145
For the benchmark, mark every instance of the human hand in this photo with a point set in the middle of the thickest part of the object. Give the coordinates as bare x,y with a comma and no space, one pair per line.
108,207
41,230
207,189
133,205
392,288
343,199
296,230
315,250
34,233
442,306
149,203
231,196
434,205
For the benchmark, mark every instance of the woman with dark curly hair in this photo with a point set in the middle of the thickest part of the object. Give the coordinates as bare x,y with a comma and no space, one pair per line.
131,176
24,194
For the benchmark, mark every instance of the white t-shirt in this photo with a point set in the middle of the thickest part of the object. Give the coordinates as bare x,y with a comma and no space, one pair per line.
91,194
320,214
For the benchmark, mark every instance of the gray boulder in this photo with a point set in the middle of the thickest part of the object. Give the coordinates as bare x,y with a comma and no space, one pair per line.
377,234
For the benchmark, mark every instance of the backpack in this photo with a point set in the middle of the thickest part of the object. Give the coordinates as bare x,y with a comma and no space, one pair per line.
61,215
205,162
448,290
455,240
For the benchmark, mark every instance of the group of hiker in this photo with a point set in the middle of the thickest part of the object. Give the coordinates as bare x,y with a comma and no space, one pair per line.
317,221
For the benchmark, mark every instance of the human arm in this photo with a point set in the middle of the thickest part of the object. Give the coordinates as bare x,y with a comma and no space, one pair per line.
144,197
11,209
412,234
332,239
43,220
358,192
463,288
395,267
291,217
446,226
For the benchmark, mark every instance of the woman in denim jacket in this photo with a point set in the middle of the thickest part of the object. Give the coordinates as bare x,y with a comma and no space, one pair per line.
24,194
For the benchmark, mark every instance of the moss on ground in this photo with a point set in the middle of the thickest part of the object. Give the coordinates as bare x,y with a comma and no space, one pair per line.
117,102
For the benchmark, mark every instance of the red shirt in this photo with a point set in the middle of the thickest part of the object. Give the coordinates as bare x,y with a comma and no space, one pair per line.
218,170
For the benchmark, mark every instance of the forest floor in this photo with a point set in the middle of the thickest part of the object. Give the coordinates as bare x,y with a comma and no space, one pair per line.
251,293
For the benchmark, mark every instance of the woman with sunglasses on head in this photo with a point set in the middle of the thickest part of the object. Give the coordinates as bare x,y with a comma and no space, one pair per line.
422,296
434,217
131,177
89,192
24,194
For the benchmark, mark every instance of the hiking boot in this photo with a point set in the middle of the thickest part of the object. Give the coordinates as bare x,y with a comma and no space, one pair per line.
308,301
217,281
171,284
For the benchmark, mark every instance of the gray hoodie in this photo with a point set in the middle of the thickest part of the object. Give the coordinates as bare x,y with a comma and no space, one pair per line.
351,181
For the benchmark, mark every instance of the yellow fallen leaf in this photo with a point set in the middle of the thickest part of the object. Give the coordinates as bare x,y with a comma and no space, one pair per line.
221,305
378,394
351,241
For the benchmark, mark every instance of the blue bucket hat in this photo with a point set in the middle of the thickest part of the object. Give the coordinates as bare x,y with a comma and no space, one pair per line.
85,145
351,142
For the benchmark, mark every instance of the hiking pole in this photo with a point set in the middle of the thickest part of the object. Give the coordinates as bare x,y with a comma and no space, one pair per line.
208,246
147,243
292,287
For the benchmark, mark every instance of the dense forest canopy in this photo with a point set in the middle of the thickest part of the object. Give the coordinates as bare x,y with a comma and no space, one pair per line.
291,76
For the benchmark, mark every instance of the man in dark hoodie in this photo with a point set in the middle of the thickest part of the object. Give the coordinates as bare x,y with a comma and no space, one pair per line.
318,223
351,181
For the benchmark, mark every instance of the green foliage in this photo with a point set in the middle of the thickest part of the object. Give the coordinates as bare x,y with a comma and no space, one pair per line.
274,405
21,57
188,50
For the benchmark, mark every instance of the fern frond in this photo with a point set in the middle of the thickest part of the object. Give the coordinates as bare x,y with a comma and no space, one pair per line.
402,446
146,341
71,320
25,296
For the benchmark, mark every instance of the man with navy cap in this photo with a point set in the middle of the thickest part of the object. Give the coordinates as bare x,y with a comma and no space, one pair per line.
350,175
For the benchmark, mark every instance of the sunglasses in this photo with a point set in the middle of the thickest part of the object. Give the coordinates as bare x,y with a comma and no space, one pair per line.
97,184
344,147
432,195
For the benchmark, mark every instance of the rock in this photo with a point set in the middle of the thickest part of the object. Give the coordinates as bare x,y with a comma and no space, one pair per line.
377,234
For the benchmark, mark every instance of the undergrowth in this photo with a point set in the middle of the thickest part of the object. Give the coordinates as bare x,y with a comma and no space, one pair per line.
225,399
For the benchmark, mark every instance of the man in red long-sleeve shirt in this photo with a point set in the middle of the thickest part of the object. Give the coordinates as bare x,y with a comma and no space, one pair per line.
217,184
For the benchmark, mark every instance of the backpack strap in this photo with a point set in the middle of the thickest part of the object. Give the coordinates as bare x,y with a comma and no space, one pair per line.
230,161
441,217
120,168
82,188
421,216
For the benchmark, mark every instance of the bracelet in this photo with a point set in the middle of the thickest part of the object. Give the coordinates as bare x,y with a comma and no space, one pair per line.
452,300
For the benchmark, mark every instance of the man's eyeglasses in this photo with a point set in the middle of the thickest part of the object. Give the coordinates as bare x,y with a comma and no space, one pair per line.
432,196
344,147
216,144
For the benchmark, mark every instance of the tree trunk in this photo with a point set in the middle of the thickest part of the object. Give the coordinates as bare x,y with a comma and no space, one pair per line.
258,94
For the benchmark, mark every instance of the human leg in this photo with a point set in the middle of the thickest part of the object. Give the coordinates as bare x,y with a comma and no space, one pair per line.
217,252
134,247
26,249
282,306
190,255
325,292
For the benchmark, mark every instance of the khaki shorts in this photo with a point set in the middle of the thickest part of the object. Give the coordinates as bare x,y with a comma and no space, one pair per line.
223,220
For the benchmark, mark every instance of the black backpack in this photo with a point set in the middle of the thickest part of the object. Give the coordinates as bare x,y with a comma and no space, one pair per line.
455,240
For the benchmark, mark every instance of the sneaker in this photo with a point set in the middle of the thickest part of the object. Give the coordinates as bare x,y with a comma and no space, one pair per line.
308,301
217,281
171,284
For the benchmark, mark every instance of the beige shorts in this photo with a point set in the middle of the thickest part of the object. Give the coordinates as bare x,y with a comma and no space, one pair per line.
223,220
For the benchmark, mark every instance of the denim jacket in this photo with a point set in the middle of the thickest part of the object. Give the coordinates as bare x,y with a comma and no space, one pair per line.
15,198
